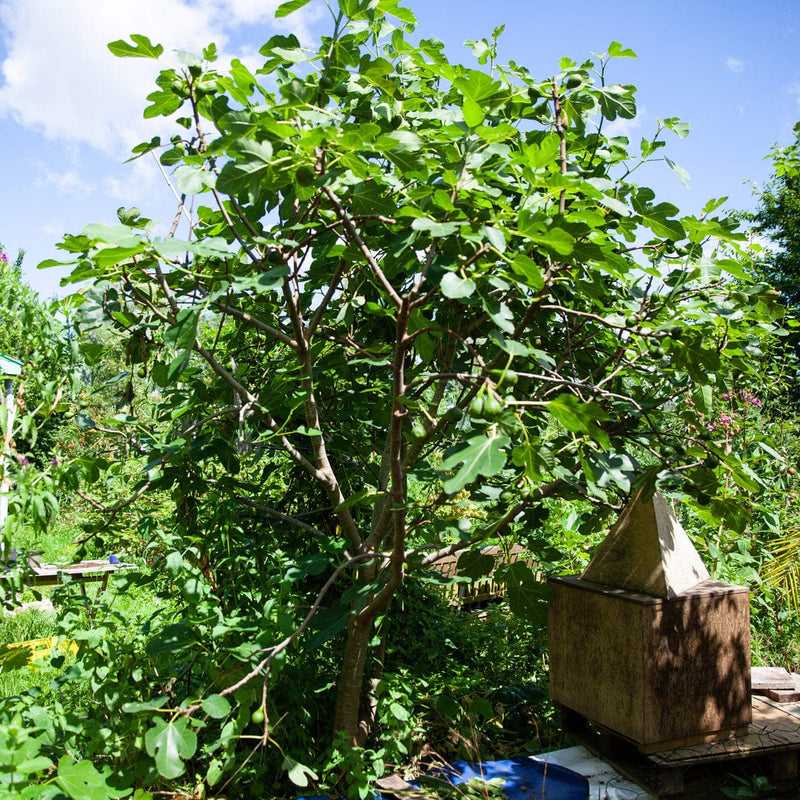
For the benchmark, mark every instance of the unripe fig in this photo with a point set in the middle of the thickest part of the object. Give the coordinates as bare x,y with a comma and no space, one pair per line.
492,407
476,407
418,430
453,414
305,176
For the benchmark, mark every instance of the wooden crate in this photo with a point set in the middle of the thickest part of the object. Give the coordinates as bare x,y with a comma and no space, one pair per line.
485,589
658,672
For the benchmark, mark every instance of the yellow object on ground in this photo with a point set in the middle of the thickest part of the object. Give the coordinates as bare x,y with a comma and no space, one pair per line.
21,654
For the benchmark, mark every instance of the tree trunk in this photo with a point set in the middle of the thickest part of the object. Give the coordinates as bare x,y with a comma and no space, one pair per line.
349,688
369,705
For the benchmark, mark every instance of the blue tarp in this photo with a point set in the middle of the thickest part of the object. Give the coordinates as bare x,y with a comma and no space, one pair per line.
524,779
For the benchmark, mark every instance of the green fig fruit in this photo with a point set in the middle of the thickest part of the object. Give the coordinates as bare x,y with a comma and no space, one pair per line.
305,176
476,407
492,407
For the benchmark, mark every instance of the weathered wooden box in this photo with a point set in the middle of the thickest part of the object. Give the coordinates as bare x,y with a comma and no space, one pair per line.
660,672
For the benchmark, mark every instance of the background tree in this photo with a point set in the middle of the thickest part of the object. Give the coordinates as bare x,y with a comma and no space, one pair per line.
419,301
31,332
778,218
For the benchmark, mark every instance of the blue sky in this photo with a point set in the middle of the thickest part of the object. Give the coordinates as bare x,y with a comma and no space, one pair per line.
70,112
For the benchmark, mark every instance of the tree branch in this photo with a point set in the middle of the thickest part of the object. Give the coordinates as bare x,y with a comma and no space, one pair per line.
273,651
255,322
366,252
279,515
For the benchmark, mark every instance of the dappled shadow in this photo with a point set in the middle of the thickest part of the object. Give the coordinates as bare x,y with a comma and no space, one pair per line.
700,662
652,670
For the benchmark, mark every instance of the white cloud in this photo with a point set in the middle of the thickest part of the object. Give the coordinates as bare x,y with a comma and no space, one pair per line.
135,182
624,127
53,229
59,77
248,12
794,89
115,188
734,64
69,183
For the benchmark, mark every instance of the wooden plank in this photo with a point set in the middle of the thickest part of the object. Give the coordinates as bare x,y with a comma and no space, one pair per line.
485,588
783,695
647,551
693,741
765,678
772,730
697,657
790,709
596,656
83,572
699,771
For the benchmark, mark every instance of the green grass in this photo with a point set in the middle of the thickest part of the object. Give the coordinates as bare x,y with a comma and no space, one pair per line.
26,625
58,545
135,604
23,627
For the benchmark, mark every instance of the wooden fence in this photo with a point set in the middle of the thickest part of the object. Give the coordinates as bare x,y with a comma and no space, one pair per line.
484,589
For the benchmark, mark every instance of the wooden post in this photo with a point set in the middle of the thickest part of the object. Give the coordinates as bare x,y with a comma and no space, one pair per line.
10,368
5,455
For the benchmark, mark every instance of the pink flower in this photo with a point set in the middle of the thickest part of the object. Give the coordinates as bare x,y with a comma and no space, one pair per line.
749,397
4,256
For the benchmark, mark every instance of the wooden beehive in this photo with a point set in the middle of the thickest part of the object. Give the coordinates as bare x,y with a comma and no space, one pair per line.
662,658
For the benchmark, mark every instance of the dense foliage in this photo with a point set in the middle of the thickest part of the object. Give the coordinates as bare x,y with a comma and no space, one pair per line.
32,418
778,218
421,305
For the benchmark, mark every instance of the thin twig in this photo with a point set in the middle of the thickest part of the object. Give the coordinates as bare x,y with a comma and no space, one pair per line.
180,198
561,123
279,515
366,252
273,651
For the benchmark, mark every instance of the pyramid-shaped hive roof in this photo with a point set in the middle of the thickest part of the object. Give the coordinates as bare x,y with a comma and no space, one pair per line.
647,551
